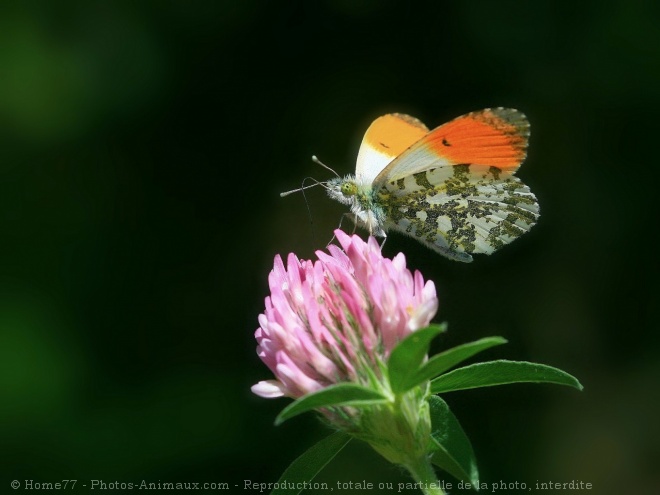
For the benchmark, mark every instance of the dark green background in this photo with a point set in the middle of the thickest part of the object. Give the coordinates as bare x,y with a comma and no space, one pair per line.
142,149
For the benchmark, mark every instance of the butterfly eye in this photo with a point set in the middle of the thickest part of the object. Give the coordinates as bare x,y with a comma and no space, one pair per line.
349,188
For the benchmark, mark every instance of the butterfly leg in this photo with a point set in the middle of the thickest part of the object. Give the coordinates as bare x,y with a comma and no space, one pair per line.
341,220
355,222
383,243
330,241
352,217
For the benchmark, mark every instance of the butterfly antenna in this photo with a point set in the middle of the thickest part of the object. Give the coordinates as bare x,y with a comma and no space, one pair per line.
316,160
309,210
302,189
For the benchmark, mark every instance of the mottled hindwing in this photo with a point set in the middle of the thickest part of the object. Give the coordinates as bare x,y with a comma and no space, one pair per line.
454,189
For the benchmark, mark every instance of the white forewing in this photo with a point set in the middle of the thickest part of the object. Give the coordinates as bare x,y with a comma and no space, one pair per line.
413,160
370,162
492,137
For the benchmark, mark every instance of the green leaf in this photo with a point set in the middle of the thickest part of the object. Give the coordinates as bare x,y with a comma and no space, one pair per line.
440,363
408,355
309,464
501,372
342,394
453,451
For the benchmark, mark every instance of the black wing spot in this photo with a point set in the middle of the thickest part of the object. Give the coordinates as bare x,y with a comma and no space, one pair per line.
445,142
384,145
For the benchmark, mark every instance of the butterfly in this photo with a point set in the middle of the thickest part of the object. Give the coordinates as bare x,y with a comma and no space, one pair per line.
453,188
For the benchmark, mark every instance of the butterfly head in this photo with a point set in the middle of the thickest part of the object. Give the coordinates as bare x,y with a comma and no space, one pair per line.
343,190
348,187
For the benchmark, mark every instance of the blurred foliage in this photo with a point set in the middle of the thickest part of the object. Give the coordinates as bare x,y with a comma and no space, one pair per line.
142,149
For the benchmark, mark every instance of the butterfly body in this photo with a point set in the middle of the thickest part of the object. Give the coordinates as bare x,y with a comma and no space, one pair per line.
453,188
363,200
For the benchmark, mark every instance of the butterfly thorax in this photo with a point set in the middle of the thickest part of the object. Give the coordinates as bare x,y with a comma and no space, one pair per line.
363,201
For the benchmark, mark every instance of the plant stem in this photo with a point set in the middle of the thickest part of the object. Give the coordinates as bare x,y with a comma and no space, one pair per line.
423,473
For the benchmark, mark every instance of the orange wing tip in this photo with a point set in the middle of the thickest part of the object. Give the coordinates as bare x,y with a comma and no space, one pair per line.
510,116
493,136
409,119
507,120
393,133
